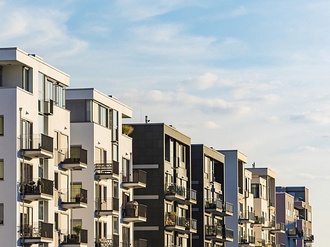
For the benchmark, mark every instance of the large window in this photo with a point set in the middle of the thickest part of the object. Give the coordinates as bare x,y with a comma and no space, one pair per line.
1,214
2,175
27,79
2,125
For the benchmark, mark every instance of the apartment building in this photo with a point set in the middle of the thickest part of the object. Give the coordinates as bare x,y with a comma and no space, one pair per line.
96,124
263,190
294,210
208,179
238,191
34,129
164,153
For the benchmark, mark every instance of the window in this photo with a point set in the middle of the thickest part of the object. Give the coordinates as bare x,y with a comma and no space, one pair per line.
56,221
115,189
41,210
1,214
27,82
26,135
26,173
2,125
103,116
2,170
115,225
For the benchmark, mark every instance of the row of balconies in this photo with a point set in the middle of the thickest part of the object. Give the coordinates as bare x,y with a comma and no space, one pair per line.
179,193
179,223
218,207
218,233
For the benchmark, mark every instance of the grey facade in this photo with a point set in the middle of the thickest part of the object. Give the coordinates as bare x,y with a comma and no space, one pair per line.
164,153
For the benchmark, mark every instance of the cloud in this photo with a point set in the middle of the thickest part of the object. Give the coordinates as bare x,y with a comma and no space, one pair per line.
321,116
206,81
211,125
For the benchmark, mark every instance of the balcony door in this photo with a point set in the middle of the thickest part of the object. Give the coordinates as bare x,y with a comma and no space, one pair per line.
26,135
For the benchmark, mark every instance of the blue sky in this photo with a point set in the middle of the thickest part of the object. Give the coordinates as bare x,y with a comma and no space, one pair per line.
252,75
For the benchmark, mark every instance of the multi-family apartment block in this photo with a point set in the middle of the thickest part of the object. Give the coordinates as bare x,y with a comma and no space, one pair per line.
35,127
212,209
164,153
96,124
294,210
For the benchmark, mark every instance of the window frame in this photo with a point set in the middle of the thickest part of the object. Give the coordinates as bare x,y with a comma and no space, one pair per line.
2,213
2,169
2,125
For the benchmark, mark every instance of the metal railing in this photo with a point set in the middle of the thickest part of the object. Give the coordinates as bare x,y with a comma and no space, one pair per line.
259,220
107,167
171,219
247,215
37,230
140,243
36,142
38,186
78,195
82,237
138,176
192,194
228,207
247,239
213,204
213,230
173,189
109,203
134,209
191,224
77,155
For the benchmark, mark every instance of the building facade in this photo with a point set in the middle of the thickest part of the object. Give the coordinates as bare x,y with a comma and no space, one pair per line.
164,153
208,178
294,210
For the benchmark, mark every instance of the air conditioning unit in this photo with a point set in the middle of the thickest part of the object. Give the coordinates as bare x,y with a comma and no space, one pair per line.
49,107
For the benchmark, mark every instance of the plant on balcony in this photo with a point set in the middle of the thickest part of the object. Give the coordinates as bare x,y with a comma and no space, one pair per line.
77,229
170,219
127,129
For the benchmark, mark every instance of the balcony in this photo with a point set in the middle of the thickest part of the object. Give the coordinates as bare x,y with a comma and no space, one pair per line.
37,146
191,226
214,206
246,217
175,192
107,242
309,239
228,234
174,223
106,170
278,228
76,240
247,241
39,190
191,197
227,209
37,233
139,180
213,232
140,243
134,212
78,199
259,220
77,160
269,224
46,107
109,206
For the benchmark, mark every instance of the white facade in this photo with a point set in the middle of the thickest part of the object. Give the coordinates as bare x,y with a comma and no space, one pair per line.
31,103
96,124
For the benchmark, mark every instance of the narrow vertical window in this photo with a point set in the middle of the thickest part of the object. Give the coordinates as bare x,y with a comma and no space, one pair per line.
27,85
115,225
2,126
1,214
2,175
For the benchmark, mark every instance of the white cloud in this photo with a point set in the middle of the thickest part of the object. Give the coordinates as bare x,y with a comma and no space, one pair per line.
211,125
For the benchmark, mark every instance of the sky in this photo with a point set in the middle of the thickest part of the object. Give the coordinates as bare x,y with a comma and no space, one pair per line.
248,75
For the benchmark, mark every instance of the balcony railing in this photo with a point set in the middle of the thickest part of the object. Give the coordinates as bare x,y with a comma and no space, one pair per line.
106,170
77,199
37,231
279,227
78,195
213,230
191,225
259,220
228,208
309,239
77,159
247,216
171,219
37,146
140,243
106,206
213,205
191,196
228,233
139,180
82,237
247,239
134,212
175,192
39,189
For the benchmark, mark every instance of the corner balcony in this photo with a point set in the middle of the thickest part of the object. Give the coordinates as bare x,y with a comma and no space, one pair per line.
269,224
139,180
191,226
191,197
105,170
38,233
38,190
246,217
37,146
228,234
227,209
134,212
259,220
106,207
175,192
213,206
78,199
278,228
77,239
213,232
174,223
77,160
247,241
